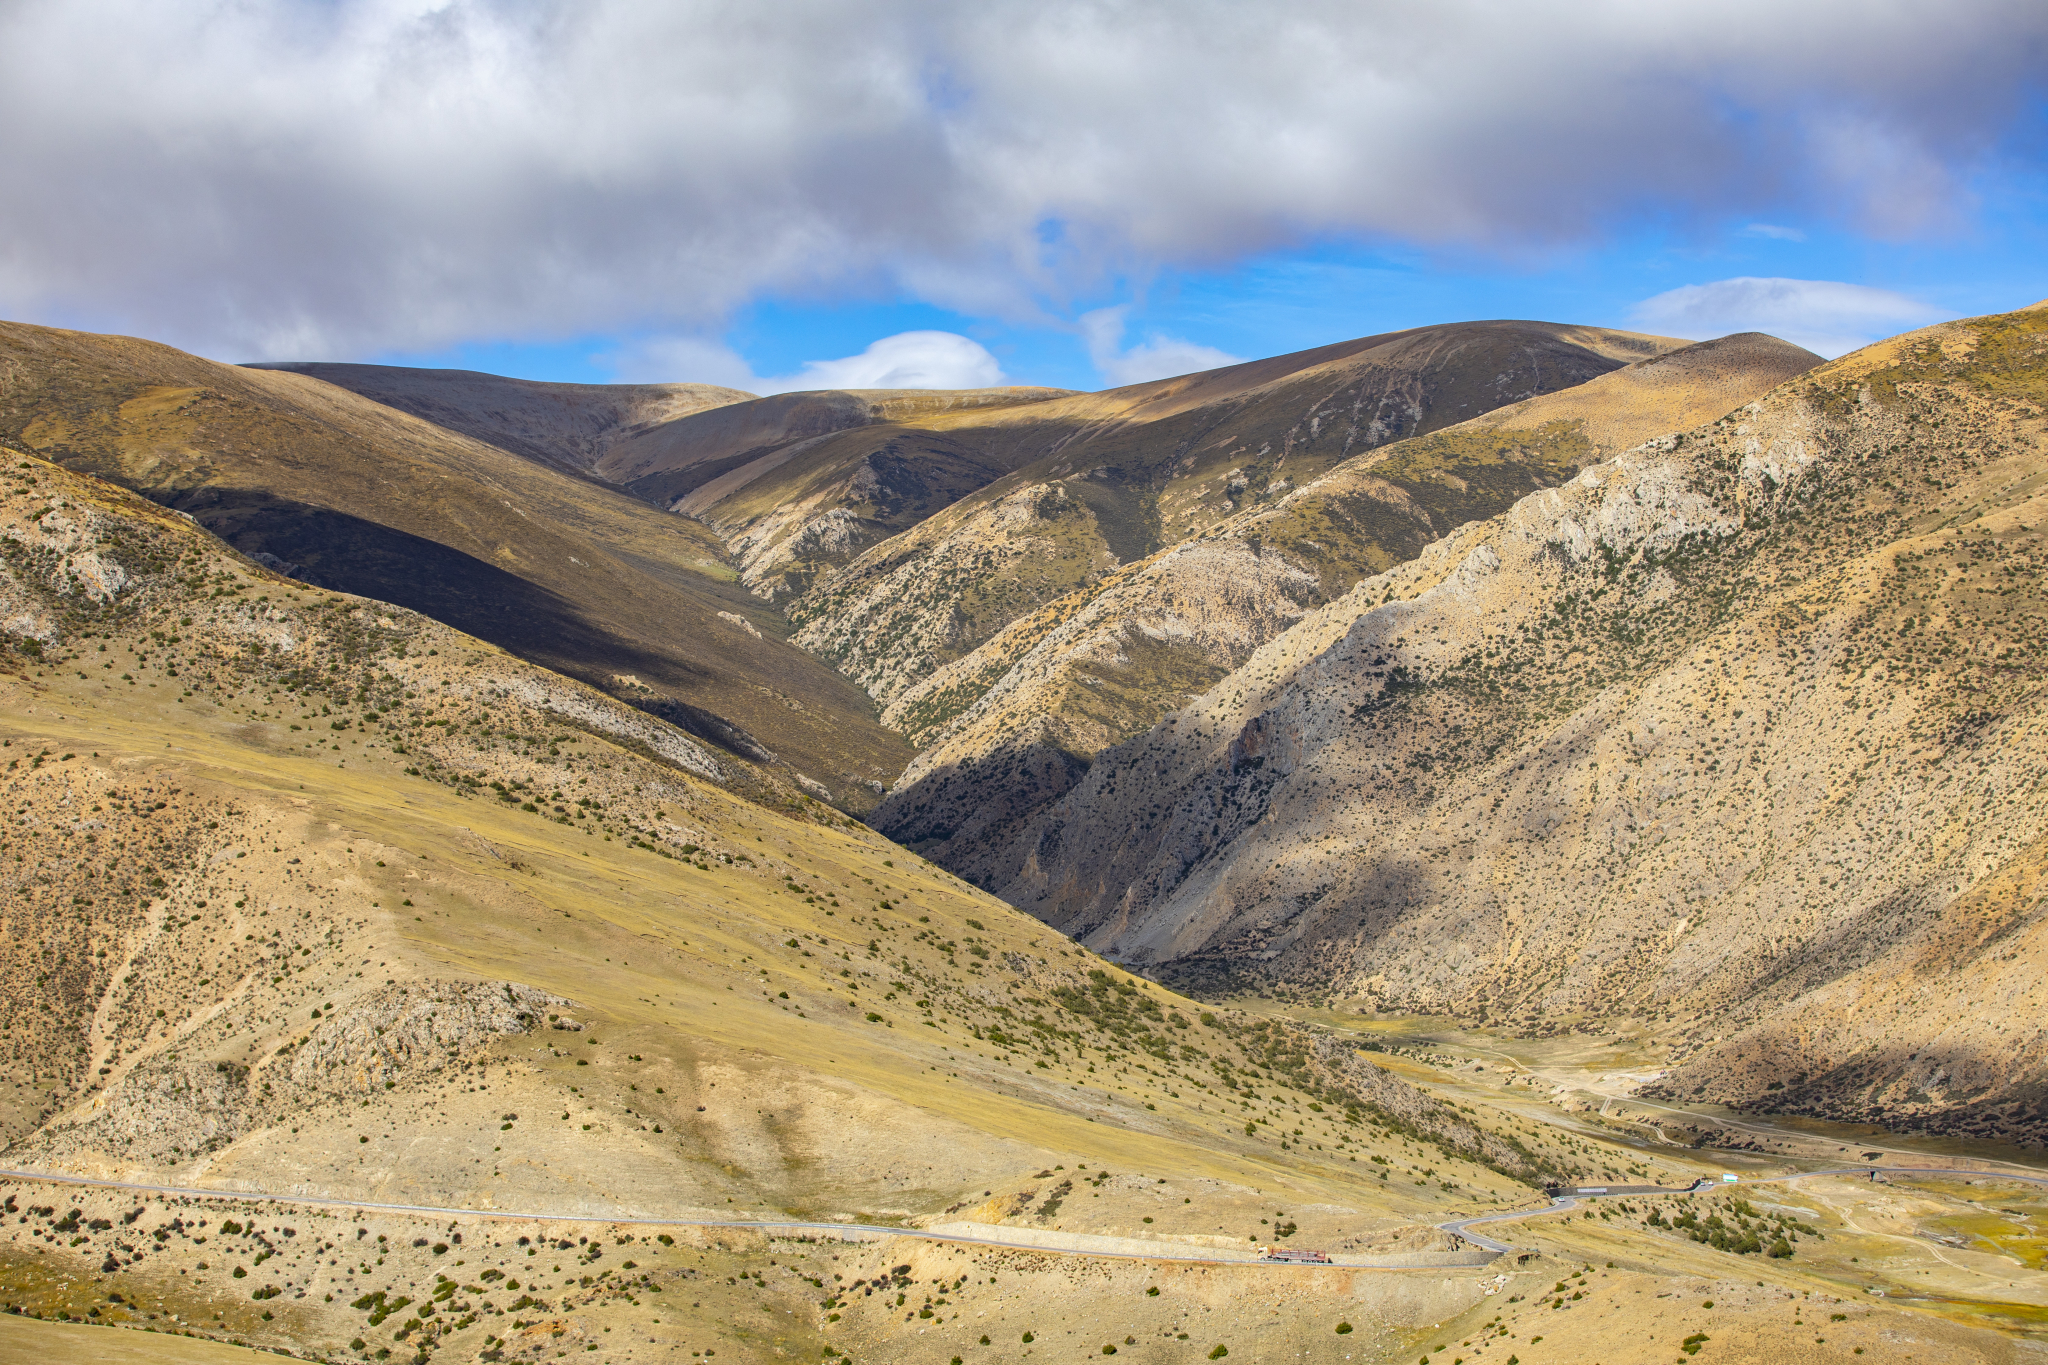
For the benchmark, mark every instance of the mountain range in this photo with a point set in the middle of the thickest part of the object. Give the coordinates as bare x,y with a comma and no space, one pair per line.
1007,808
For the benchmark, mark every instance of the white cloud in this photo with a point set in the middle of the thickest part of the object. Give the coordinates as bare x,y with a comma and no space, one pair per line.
341,177
1156,357
1827,317
681,360
908,360
1775,232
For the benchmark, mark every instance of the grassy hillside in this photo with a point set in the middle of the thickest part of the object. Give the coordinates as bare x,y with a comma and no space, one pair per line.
1736,734
307,892
352,495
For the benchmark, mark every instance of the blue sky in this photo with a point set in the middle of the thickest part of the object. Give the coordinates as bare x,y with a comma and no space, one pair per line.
1066,192
1295,299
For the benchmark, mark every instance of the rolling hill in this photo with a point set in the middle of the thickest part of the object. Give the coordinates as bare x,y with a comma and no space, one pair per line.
800,483
405,979
570,427
350,494
1104,480
306,893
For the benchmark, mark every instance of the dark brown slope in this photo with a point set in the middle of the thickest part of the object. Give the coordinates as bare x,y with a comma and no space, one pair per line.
361,497
800,483
665,462
567,426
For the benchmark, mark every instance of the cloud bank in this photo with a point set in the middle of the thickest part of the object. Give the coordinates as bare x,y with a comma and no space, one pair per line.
1156,357
332,178
908,360
1827,317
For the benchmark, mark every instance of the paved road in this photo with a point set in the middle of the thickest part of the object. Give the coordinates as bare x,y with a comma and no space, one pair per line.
1461,1227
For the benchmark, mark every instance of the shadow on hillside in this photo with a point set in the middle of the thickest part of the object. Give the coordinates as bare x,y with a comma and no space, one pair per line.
329,549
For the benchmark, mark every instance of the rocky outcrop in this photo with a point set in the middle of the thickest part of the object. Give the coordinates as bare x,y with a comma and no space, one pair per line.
166,1110
399,1033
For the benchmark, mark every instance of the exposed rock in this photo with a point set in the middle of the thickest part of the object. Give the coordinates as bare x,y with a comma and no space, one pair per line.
1008,727
1723,733
396,1033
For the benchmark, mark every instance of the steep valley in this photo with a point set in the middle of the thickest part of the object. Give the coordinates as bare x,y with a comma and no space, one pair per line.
1734,734
1330,799
1105,480
309,896
1011,726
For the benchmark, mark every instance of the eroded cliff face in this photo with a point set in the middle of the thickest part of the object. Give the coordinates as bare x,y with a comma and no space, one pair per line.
1011,725
1729,730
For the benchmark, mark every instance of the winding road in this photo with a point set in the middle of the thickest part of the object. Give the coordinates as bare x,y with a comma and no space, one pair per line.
1462,1226
862,1232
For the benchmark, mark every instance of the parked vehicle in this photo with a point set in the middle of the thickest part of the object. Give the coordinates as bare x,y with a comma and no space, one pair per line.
1298,1255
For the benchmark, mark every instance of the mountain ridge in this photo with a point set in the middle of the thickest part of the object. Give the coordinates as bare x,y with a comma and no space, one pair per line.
567,426
306,890
1009,726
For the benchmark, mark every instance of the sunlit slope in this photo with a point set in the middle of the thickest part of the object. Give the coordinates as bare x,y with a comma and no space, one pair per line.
309,892
744,443
1105,480
800,483
568,426
354,495
1012,725
1738,733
